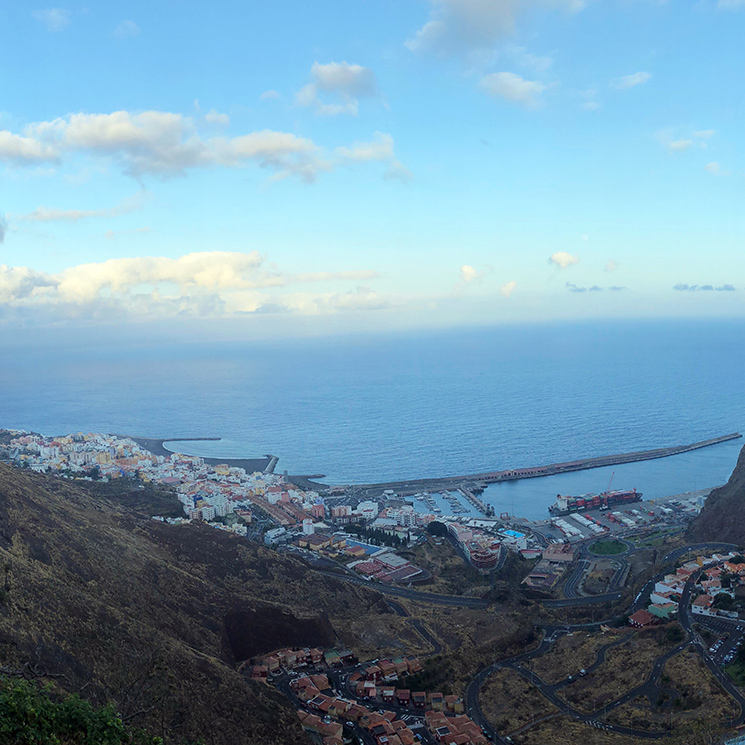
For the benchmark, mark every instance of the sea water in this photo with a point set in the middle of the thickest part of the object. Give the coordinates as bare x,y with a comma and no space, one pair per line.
412,405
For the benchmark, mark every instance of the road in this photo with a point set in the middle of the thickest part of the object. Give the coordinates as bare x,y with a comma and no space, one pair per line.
651,687
418,625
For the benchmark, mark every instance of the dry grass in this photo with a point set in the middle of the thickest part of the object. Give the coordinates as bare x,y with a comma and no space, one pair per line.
598,579
509,701
450,573
570,654
701,695
703,700
472,638
625,667
639,714
563,730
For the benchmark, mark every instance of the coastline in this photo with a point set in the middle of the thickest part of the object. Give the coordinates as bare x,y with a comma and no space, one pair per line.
156,446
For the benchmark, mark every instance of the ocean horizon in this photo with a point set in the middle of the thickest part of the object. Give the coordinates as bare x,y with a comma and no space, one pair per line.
412,405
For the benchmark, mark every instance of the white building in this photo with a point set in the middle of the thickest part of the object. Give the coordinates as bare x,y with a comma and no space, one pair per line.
367,510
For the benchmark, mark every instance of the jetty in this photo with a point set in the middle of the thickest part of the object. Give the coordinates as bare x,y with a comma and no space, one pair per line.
470,483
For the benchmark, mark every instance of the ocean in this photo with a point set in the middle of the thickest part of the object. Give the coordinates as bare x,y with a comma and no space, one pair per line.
410,405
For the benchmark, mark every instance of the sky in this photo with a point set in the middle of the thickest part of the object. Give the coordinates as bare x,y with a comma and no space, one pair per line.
335,167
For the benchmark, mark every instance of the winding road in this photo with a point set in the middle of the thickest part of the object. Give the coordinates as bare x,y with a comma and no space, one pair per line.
651,688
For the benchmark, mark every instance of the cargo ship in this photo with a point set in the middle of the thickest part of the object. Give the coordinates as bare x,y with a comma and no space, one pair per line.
602,501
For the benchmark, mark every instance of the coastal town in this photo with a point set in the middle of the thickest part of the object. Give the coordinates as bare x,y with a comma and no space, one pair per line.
571,560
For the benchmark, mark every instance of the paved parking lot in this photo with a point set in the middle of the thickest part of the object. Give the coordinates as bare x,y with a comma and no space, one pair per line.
732,638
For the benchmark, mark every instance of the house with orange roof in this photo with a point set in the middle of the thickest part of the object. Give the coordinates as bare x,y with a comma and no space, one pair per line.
339,707
403,696
703,606
414,665
321,682
454,703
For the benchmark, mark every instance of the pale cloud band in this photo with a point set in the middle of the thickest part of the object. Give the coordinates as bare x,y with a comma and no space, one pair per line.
631,81
167,144
54,214
209,283
513,87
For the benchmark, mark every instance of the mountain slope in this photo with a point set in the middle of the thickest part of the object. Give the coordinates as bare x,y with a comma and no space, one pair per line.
723,515
155,617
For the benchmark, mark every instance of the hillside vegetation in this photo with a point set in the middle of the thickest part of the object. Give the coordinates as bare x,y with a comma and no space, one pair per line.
153,618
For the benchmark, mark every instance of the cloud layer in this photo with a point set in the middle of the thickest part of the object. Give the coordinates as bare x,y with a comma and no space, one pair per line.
630,81
169,144
209,283
683,287
562,259
513,87
462,26
344,82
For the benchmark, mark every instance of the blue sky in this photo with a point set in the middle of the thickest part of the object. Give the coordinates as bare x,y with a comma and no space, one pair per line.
311,167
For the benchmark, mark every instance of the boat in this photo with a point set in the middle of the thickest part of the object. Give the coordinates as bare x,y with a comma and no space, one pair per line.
604,500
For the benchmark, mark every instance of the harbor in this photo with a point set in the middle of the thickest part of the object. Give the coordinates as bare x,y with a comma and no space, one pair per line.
470,486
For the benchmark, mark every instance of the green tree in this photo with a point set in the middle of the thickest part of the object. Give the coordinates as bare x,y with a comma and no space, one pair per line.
437,528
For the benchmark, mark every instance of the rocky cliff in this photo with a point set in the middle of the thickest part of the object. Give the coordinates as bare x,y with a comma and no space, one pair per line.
723,515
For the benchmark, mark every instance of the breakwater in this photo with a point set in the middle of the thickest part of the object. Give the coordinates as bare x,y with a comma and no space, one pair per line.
479,481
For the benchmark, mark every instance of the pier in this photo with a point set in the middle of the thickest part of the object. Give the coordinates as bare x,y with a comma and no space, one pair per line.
476,482
474,500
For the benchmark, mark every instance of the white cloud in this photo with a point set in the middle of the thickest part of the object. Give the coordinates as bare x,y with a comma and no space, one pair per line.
3,227
348,83
55,19
464,26
524,58
705,134
266,95
611,266
513,87
24,150
678,146
167,144
127,30
730,4
341,77
380,149
562,259
53,214
630,81
206,283
508,288
213,117
468,274
712,167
